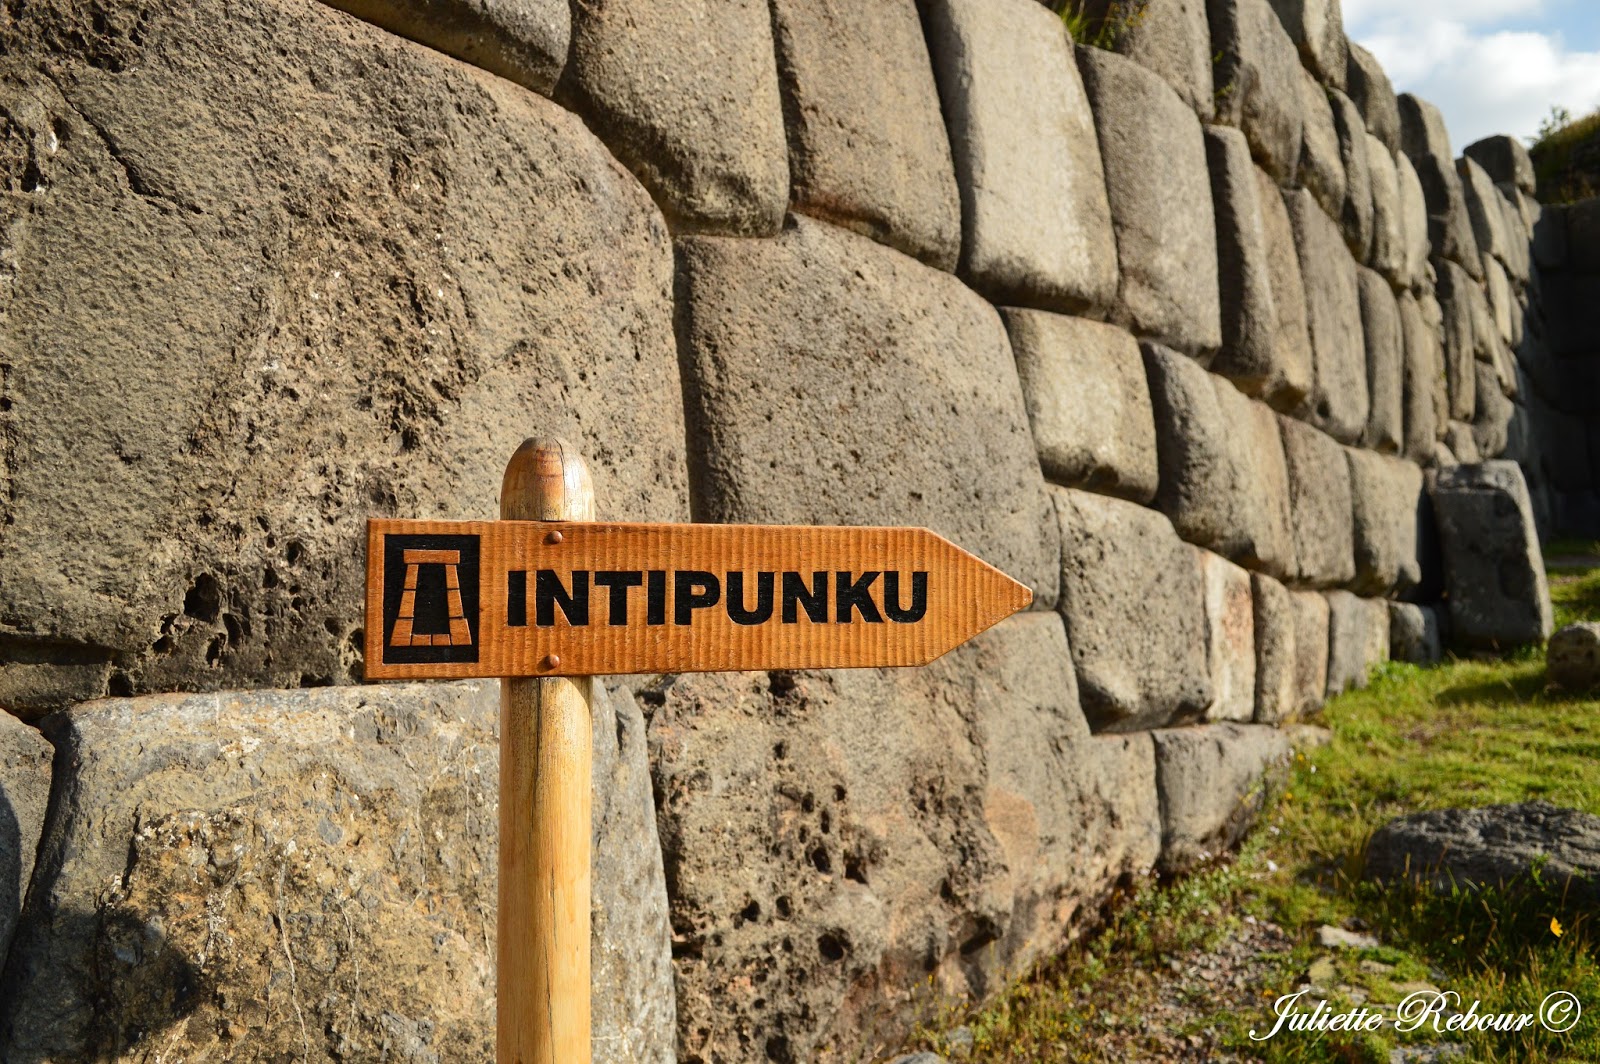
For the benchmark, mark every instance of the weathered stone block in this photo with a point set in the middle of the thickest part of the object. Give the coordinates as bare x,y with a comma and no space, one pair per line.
1373,93
867,144
1386,496
1317,29
1550,238
1036,227
1276,695
1426,397
1358,639
1170,38
822,871
1134,604
1223,482
1425,140
1505,159
1388,252
1356,214
1165,229
1519,258
1339,402
1257,75
1414,634
1320,514
1483,209
1492,419
1292,346
1456,291
205,443
1230,638
1310,650
1583,236
339,833
1572,327
1321,167
1502,302
1459,439
25,757
1572,660
1084,385
798,351
1385,346
1413,221
1494,571
687,97
1213,781
524,41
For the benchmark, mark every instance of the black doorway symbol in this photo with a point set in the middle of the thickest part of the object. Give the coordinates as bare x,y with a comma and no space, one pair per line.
430,599
405,633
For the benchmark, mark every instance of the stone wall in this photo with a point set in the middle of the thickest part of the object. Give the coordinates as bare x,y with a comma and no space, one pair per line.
1202,338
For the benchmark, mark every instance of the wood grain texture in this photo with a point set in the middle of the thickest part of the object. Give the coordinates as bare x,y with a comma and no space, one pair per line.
542,947
869,578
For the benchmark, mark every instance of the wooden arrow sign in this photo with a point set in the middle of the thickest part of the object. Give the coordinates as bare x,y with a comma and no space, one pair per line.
545,598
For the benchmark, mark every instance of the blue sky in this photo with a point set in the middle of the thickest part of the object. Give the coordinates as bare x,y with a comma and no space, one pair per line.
1492,66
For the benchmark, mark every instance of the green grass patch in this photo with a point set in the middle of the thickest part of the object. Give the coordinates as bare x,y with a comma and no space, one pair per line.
1566,157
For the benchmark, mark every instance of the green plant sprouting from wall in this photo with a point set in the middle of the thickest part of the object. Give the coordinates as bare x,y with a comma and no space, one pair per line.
1100,23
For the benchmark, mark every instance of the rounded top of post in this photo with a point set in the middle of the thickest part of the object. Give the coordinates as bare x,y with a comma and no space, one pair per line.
547,480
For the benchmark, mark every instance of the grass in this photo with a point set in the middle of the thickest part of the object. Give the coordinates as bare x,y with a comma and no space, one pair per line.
1566,158
1469,732
1100,23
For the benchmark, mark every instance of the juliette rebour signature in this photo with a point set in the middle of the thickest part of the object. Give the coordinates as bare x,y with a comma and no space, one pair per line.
1436,1010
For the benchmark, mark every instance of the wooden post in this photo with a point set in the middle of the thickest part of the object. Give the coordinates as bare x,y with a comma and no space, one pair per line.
542,945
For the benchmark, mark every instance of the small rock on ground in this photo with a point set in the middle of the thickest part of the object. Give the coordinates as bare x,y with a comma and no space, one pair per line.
1330,937
1573,658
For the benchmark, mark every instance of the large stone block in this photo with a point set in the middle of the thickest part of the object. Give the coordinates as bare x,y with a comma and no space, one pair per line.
800,353
1459,440
1491,420
1310,650
1036,227
1425,393
687,97
1170,38
1317,29
1572,328
25,758
1223,481
1084,385
522,40
1358,639
1257,75
1494,570
1230,638
1321,167
231,342
1550,238
1385,346
1519,258
1356,214
1503,303
1339,402
1413,221
1319,505
346,840
1214,780
1505,160
1165,228
1414,634
1483,209
1292,346
1456,291
1386,496
867,144
1373,93
1425,140
1134,603
1276,695
1583,235
837,841
1388,252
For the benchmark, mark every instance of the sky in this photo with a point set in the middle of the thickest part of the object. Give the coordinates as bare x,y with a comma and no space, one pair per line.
1492,66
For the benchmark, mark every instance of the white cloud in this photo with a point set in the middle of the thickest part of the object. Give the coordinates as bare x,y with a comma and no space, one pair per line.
1483,77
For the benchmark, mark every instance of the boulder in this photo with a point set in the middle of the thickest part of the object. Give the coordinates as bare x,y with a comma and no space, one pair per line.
345,838
1455,292
1134,603
25,757
823,873
524,41
1084,385
233,340
1494,571
1317,29
1414,634
1165,230
1388,252
1505,160
1491,421
1387,498
1257,76
1356,214
687,98
1497,845
1425,140
1321,166
1483,209
1213,781
1572,660
1036,227
1320,506
1385,349
1425,398
1311,615
1358,639
1373,93
799,352
1223,481
1277,653
1339,402
1230,639
1167,37
1413,221
1292,347
867,145
1249,352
